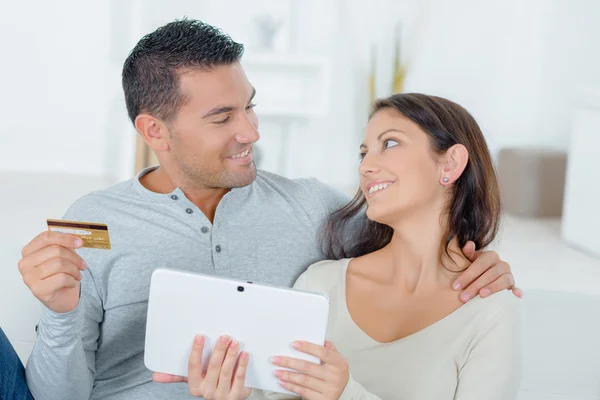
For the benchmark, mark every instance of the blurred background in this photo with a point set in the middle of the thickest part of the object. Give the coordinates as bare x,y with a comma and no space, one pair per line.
528,70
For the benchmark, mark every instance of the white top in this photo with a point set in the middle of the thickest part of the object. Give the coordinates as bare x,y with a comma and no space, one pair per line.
473,353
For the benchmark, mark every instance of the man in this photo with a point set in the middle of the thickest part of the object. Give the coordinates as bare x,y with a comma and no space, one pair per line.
204,209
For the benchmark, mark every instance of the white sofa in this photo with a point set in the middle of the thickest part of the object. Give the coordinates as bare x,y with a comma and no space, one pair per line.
562,346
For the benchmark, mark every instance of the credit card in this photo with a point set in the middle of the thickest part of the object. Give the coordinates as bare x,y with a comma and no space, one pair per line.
93,234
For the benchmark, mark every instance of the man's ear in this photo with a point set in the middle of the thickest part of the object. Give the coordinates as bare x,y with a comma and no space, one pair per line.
453,163
155,132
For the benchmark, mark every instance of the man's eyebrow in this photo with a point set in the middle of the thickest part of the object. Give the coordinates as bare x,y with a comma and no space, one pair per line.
226,109
219,110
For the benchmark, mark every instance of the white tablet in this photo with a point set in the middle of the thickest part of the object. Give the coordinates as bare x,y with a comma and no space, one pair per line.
264,319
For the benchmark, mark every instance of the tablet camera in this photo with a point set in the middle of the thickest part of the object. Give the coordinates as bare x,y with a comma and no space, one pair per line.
240,288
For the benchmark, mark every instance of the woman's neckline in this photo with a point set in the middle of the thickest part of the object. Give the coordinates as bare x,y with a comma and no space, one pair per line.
428,328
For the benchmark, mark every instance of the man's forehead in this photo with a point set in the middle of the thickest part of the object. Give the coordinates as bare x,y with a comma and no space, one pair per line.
223,86
220,80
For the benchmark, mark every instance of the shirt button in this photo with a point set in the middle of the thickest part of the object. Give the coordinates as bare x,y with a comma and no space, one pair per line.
189,210
218,249
204,229
174,197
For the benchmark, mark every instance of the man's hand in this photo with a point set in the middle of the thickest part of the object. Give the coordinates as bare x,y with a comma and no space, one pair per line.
52,270
487,274
223,380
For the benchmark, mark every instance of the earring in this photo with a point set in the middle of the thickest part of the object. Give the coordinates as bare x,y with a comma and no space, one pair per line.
445,180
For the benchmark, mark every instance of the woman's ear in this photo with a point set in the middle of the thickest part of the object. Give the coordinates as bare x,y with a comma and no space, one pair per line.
453,164
154,131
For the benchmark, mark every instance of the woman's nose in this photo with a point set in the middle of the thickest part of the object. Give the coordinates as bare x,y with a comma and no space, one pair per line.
368,165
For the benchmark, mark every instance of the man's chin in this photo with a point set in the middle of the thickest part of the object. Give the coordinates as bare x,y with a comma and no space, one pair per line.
237,179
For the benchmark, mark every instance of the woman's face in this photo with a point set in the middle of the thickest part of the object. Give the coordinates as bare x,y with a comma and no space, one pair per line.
398,173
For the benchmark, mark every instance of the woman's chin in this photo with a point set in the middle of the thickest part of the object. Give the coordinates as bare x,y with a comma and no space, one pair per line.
378,216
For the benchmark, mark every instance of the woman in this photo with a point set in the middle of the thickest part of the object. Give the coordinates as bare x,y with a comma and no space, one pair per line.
428,185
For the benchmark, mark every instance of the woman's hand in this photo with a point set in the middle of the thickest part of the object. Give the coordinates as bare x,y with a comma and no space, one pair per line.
224,377
325,381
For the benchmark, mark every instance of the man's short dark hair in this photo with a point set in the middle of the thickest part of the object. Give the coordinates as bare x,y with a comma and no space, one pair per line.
151,72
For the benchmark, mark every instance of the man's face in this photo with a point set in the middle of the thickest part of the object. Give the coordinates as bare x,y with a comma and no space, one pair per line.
213,132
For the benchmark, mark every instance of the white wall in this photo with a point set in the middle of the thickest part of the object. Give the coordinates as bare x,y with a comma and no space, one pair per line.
54,100
514,64
581,219
485,56
571,65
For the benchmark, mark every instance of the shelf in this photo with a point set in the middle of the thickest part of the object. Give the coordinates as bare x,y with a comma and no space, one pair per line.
289,86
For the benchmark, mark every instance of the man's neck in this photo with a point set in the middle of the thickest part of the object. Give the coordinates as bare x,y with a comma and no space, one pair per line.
206,199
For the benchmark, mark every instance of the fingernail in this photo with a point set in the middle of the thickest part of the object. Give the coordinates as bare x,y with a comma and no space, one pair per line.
297,345
224,339
519,294
485,292
78,243
275,360
199,339
465,296
279,374
282,383
234,344
244,356
83,264
456,286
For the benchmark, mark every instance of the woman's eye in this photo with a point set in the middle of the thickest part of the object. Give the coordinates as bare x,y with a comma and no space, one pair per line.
361,156
222,121
250,106
390,143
